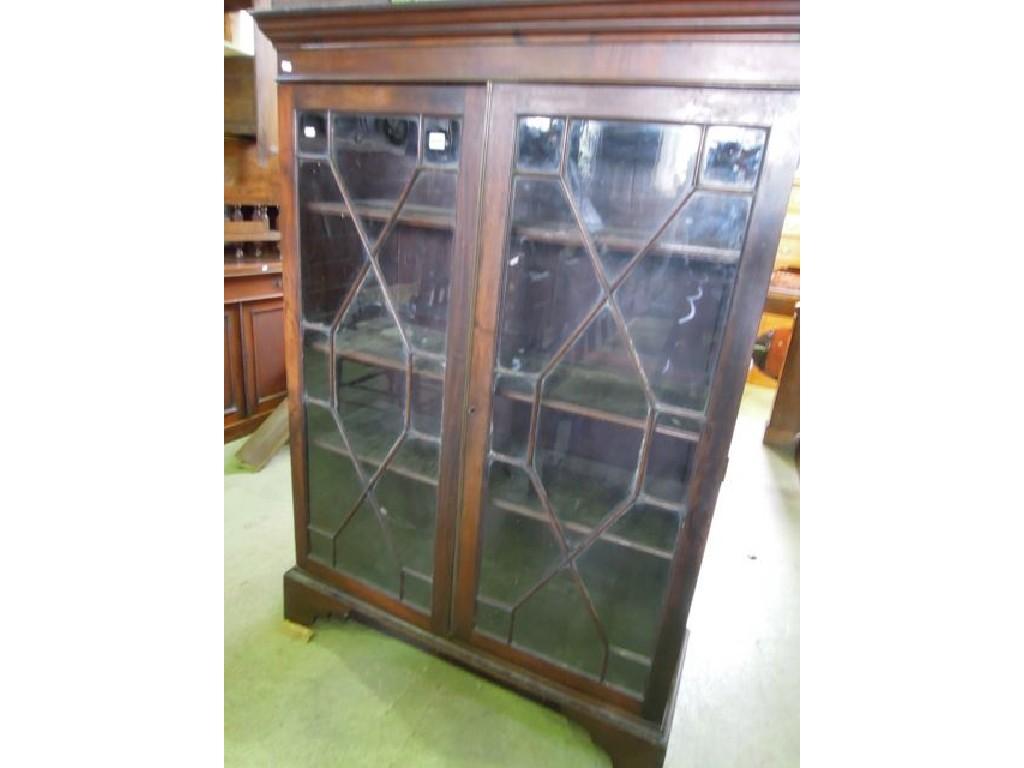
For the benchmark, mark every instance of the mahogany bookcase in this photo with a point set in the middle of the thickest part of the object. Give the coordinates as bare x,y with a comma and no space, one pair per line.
526,247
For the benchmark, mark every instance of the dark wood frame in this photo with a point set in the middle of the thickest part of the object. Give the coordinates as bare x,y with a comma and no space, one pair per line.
742,60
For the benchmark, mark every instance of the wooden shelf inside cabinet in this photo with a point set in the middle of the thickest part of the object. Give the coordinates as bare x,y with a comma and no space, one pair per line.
268,236
427,217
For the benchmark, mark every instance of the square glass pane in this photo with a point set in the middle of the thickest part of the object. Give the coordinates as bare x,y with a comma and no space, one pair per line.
441,139
539,143
733,155
312,133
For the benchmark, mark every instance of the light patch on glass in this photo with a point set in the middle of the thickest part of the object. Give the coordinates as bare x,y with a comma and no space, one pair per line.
542,124
286,65
436,141
309,131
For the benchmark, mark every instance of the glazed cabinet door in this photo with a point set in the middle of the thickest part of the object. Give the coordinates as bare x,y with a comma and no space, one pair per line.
627,243
384,188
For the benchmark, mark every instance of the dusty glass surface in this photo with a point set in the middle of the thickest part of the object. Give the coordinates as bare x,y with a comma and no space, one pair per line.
733,155
375,297
539,143
441,140
619,268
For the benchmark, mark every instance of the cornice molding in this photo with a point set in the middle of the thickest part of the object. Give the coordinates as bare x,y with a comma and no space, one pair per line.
578,20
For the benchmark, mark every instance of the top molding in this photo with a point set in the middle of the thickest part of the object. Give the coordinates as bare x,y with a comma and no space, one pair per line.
585,20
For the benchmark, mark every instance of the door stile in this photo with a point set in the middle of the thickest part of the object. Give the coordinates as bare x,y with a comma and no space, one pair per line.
497,176
464,260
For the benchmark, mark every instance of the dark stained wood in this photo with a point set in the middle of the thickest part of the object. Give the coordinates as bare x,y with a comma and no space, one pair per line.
711,458
234,393
457,370
309,597
253,345
289,245
784,424
555,672
263,352
500,148
726,62
587,20
729,63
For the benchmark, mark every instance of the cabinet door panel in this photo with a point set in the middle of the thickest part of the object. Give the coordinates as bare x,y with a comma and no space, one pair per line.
618,246
263,341
386,182
234,394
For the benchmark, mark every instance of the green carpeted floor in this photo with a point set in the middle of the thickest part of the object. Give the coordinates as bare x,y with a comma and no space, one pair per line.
355,697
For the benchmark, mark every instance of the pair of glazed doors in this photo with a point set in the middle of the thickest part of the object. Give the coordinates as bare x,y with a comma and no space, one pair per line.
521,314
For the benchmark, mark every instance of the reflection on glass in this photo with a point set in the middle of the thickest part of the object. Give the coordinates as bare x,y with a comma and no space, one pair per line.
627,178
733,155
332,253
376,157
712,220
598,372
441,140
675,310
364,550
312,138
416,263
560,336
556,623
385,299
549,284
368,331
539,143
668,468
586,466
316,367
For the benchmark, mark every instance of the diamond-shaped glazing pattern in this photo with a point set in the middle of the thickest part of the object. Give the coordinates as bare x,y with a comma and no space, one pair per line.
619,270
376,227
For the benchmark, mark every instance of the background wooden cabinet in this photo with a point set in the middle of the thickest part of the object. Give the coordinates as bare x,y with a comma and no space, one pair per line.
254,372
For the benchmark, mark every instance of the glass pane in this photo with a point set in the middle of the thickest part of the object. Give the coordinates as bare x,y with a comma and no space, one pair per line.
376,156
733,155
711,220
629,608
368,331
586,466
599,372
517,543
493,620
416,263
332,254
364,550
334,485
668,468
427,392
312,138
539,144
626,178
629,196
371,404
410,507
549,279
628,672
316,367
379,281
675,308
513,399
417,590
441,140
555,623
